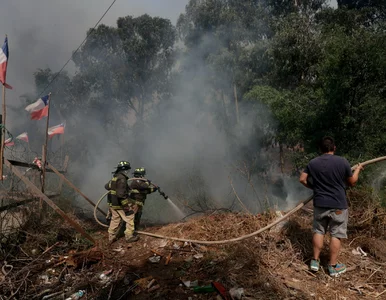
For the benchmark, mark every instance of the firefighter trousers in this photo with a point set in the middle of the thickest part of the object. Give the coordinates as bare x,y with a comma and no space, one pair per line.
117,217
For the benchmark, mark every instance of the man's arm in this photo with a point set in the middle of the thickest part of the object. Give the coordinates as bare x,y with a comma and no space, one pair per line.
142,186
351,181
303,180
152,187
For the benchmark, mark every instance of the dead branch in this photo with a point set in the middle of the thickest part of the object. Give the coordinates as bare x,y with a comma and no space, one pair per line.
238,198
23,281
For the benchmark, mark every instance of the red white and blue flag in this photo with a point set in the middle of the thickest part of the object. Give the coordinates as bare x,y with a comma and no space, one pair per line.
39,109
9,142
4,55
23,136
54,130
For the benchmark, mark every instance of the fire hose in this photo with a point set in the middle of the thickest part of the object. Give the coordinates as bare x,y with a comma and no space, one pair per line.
243,237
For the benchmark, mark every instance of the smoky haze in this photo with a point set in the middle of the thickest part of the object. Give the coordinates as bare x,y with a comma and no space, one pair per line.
189,154
44,33
186,151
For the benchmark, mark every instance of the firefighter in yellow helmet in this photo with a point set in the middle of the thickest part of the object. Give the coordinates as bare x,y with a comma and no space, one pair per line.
120,207
140,187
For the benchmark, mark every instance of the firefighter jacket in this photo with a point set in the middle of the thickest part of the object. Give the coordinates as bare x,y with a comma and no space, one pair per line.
139,189
118,191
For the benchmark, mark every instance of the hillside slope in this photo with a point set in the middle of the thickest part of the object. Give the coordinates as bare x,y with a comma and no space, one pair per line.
52,262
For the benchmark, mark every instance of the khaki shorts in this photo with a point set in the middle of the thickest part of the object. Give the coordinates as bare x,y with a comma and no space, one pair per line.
331,219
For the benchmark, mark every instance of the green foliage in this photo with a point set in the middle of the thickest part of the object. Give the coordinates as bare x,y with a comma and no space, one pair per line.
293,110
328,78
352,77
224,32
128,64
294,51
320,71
360,4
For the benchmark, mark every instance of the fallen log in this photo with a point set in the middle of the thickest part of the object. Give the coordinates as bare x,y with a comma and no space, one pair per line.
40,195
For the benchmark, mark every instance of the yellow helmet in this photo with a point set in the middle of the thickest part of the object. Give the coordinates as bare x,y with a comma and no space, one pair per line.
140,172
123,165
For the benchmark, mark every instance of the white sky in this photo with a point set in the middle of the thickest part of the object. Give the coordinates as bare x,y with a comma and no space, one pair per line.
43,33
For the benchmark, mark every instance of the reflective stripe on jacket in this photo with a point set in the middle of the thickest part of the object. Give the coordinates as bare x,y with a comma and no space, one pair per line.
140,188
118,191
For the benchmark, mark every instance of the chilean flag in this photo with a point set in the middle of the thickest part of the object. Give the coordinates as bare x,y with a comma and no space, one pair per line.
39,109
23,136
9,142
4,54
58,129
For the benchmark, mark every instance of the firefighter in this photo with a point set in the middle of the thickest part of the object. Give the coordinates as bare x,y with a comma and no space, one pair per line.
120,207
140,187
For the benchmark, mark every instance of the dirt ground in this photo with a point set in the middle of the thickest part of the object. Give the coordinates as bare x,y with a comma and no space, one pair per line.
53,263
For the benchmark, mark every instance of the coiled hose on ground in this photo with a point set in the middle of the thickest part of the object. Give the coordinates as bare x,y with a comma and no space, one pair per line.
291,212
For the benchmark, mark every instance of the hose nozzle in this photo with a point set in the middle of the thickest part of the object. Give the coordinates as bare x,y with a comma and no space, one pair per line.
163,194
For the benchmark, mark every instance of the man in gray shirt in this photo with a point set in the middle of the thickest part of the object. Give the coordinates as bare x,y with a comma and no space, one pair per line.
328,175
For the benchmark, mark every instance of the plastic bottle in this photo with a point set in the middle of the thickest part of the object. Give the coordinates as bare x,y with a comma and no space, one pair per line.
75,296
102,276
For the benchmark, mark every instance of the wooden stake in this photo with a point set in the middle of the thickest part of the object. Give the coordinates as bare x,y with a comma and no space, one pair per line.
44,158
34,190
41,177
2,135
61,147
70,184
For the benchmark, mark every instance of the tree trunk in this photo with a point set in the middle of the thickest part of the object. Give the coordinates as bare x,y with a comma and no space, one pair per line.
281,158
236,103
222,96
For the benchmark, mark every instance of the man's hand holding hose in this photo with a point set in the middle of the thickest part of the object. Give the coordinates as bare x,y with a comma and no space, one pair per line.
352,180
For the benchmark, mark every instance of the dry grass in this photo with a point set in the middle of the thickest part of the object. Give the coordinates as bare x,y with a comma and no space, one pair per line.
272,265
217,226
275,265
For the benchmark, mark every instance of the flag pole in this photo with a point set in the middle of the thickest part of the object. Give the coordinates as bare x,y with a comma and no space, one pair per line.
2,135
3,118
44,154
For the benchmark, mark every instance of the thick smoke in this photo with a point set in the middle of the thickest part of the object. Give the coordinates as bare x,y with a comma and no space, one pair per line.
186,149
44,33
188,152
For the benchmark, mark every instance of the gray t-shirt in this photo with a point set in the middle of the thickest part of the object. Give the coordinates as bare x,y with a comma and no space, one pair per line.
329,174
